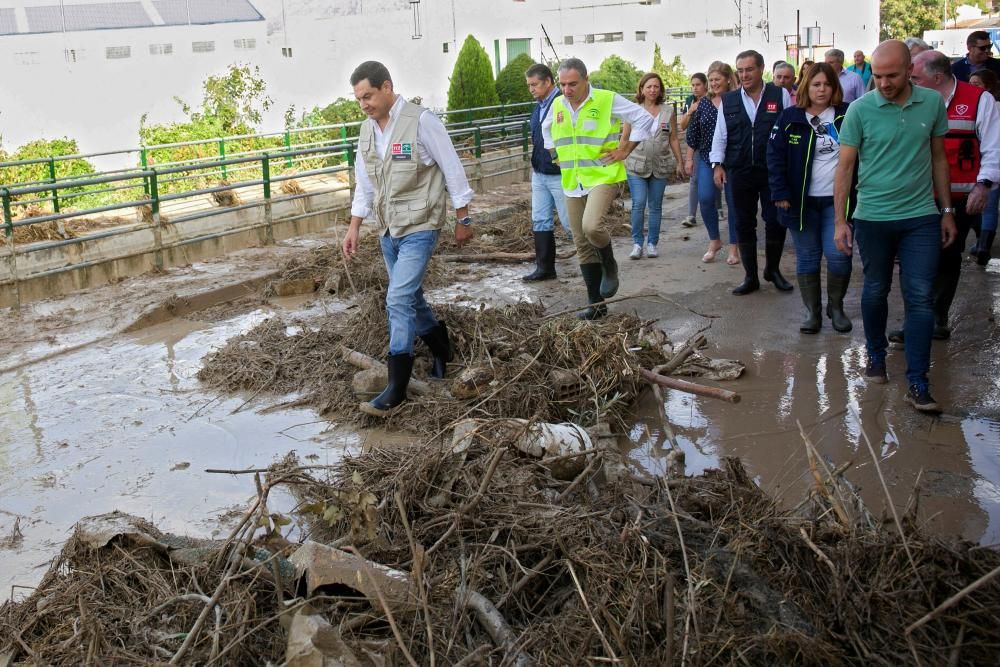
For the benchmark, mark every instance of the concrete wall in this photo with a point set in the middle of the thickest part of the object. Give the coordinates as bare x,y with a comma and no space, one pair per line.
46,269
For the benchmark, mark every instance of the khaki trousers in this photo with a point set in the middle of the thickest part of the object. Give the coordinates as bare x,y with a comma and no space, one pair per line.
585,218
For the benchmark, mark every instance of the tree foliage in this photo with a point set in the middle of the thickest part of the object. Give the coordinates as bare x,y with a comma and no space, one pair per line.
909,18
511,87
237,99
616,74
44,148
674,74
472,80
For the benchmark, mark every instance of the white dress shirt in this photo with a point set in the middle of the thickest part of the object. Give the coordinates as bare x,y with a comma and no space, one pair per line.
852,84
721,136
434,147
643,127
988,132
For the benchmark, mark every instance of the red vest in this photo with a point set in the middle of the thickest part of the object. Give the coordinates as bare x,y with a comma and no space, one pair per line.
961,144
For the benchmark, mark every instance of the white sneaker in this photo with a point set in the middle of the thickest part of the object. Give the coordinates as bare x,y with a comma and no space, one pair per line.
636,251
651,251
689,221
722,214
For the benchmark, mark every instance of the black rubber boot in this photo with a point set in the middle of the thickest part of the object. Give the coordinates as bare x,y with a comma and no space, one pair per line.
545,258
609,271
748,256
400,369
812,299
772,266
983,249
945,286
592,279
836,288
440,346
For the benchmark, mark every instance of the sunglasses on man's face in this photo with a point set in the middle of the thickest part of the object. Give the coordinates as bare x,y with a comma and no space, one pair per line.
983,47
818,126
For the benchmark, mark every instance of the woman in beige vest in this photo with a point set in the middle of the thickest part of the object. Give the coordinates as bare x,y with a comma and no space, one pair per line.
647,166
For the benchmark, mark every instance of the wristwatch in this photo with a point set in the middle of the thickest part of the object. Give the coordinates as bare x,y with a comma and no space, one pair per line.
716,164
987,182
948,209
465,222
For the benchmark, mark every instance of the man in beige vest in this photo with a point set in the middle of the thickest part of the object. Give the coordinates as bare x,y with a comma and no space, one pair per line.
406,169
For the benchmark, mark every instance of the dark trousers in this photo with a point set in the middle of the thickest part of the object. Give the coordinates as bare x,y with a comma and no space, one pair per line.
749,189
950,263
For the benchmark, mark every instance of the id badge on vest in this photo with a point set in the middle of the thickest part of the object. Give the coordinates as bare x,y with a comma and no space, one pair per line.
402,151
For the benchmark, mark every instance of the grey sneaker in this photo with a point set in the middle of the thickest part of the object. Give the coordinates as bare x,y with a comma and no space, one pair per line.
651,250
636,252
919,396
689,221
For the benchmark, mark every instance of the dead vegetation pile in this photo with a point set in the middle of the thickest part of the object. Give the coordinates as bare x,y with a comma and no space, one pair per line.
495,561
59,230
516,363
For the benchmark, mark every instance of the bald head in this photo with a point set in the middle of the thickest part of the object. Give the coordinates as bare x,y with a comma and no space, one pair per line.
891,69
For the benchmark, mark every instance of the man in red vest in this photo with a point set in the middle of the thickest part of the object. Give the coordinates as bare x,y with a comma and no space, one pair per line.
973,149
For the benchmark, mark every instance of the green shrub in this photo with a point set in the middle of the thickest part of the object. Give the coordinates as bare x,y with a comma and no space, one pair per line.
511,86
472,81
31,173
618,75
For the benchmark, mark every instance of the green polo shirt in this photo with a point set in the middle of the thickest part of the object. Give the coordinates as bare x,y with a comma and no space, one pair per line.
894,153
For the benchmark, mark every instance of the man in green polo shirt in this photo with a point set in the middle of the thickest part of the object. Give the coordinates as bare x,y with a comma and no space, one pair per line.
896,135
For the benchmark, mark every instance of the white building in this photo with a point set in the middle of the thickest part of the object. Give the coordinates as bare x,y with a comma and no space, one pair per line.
92,74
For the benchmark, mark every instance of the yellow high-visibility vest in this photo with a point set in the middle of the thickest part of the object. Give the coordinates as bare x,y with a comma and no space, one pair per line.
579,146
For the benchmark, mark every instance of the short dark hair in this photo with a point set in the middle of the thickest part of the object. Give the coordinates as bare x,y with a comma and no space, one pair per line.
376,73
539,71
802,100
975,36
759,59
574,63
701,77
642,82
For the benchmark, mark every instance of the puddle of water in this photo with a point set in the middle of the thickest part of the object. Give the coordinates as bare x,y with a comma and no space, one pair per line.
955,457
124,424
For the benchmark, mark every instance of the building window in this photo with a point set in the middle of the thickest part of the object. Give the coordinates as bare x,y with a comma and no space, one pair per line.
286,52
609,37
202,47
649,2
589,39
516,47
161,49
245,44
73,55
118,52
724,32
444,47
683,35
640,35
568,39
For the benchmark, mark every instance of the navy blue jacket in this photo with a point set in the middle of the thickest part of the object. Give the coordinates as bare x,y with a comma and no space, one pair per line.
790,160
541,159
962,69
746,143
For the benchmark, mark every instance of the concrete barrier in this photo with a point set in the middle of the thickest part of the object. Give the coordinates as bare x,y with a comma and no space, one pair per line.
39,270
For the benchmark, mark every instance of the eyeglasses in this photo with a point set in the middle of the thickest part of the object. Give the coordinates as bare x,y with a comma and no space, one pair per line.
983,47
817,125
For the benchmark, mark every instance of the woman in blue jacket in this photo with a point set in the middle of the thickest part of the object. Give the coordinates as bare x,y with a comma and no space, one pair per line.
802,158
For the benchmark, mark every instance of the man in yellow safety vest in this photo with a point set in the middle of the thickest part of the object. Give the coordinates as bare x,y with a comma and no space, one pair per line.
584,128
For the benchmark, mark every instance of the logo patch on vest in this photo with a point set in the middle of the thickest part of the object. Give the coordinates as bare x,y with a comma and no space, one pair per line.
402,151
962,109
772,107
560,117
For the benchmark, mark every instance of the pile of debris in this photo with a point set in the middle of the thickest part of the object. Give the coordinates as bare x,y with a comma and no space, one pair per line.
481,552
516,362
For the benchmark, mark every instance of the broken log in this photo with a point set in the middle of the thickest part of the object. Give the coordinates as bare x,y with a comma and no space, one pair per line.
363,361
689,387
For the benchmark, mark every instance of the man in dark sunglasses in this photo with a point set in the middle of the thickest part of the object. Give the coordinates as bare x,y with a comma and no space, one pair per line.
980,56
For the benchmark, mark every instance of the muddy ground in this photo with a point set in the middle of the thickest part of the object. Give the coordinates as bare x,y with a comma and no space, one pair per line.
95,418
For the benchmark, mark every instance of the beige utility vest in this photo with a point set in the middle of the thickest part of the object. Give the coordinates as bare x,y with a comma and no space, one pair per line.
650,157
409,195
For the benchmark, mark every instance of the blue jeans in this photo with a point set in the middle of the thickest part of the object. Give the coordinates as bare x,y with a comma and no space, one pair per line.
815,239
693,193
646,193
708,197
917,244
406,261
546,194
989,223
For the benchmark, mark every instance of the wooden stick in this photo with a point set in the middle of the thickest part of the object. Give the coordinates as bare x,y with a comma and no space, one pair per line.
363,361
493,622
955,599
640,295
690,387
681,355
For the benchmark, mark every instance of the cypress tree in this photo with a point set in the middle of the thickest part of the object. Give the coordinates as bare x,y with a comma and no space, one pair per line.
511,87
472,80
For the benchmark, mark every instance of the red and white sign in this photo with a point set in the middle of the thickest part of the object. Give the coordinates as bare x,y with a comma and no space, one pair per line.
772,107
